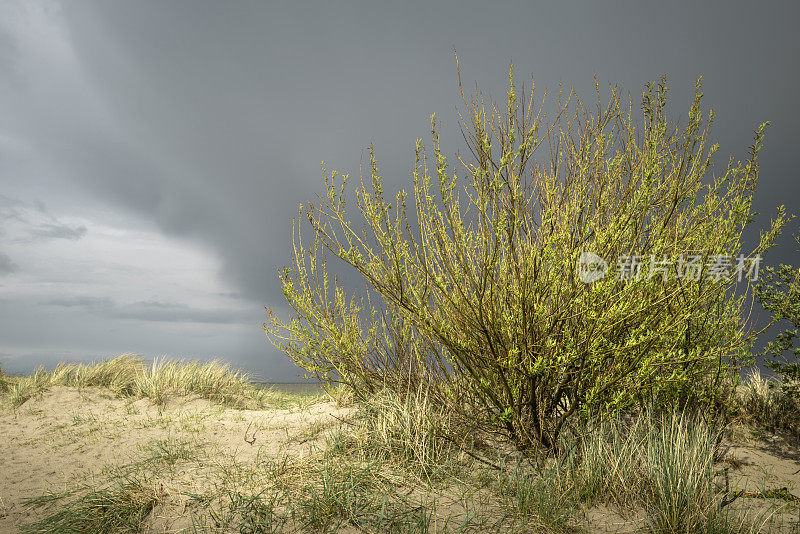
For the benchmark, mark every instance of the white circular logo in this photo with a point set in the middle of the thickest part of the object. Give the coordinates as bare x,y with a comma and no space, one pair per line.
591,267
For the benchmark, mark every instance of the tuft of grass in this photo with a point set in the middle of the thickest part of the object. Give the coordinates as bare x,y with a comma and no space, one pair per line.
121,507
763,403
283,400
338,495
602,461
728,521
320,494
545,500
677,465
29,386
406,431
118,374
661,462
170,450
212,380
258,512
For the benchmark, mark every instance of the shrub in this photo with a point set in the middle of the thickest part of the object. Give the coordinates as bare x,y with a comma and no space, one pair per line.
477,292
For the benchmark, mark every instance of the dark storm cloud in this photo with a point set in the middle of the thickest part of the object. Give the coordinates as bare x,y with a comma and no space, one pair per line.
233,128
210,119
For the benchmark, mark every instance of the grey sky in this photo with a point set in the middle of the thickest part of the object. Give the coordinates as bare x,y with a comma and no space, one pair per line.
152,154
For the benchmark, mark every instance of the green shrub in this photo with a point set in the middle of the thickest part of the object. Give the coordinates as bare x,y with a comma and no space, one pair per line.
477,293
779,292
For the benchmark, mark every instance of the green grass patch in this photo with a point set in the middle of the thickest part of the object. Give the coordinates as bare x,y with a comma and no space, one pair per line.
123,506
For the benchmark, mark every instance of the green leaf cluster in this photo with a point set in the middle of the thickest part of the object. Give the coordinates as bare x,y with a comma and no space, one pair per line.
778,291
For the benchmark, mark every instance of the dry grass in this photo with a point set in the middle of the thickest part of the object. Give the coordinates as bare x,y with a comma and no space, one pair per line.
408,432
763,404
128,376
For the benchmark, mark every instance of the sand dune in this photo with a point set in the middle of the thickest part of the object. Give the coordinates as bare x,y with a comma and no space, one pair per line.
69,440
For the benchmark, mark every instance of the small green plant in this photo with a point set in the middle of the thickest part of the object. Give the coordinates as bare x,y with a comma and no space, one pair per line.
169,451
542,499
260,512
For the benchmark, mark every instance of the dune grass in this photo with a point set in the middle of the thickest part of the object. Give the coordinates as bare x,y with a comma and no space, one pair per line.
4,382
659,462
129,376
763,403
408,432
401,464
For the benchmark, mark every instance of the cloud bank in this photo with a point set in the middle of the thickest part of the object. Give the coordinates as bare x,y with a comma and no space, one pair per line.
152,158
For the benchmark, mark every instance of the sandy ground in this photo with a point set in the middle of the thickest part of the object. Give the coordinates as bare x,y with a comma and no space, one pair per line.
68,436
